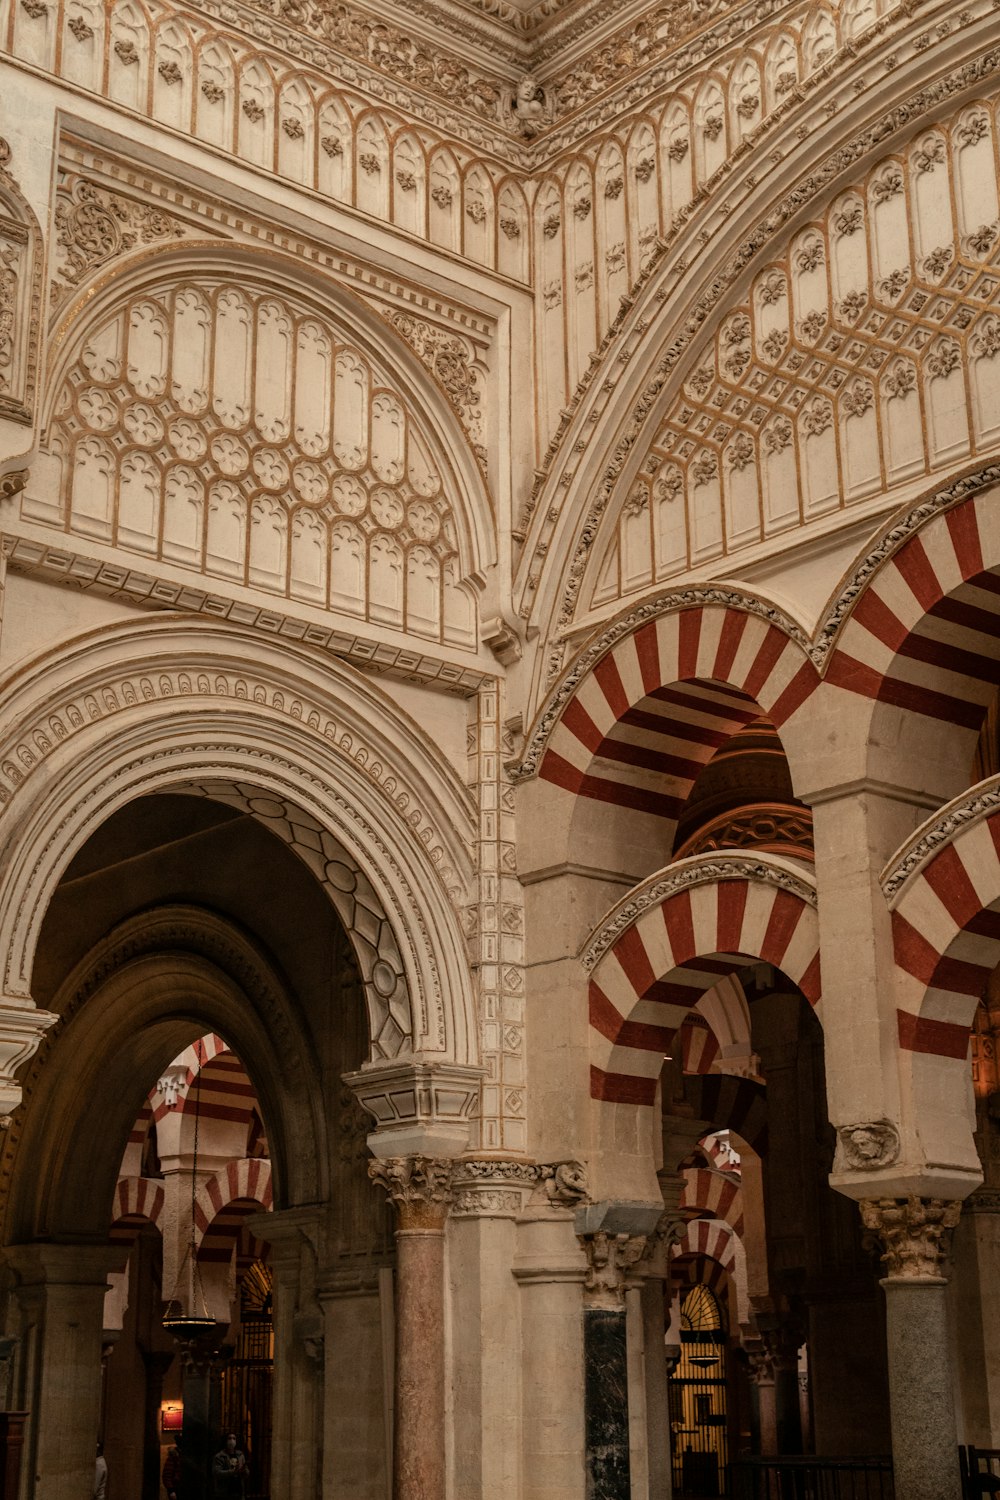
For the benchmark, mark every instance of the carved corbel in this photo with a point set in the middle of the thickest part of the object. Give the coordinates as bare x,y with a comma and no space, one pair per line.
12,484
22,1028
419,1108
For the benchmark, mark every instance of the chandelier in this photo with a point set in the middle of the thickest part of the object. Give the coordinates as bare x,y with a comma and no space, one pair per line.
187,1316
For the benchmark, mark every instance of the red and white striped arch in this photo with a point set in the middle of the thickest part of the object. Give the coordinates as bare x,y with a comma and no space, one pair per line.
223,1203
707,923
712,1195
137,1200
687,1271
643,720
710,1238
699,1045
946,925
731,1103
924,633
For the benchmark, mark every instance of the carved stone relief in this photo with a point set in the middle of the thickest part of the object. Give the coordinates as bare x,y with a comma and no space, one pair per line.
20,297
865,1148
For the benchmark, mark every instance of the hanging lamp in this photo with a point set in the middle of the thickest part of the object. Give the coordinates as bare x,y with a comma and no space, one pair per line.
187,1316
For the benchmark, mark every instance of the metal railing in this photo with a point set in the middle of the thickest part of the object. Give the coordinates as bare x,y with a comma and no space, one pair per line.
812,1479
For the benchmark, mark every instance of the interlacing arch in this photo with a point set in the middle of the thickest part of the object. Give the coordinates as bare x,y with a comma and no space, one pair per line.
710,1238
136,1199
727,1102
671,939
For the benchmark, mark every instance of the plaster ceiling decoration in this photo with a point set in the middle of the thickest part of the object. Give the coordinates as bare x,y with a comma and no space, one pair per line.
234,432
864,357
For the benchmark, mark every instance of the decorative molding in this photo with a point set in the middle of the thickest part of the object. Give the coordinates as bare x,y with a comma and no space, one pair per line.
915,1234
21,266
972,807
683,877
148,589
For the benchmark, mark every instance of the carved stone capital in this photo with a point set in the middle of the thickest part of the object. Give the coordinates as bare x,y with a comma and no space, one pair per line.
419,1186
915,1234
610,1260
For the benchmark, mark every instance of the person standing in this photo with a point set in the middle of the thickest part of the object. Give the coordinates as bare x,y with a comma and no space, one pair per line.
100,1475
172,1469
229,1471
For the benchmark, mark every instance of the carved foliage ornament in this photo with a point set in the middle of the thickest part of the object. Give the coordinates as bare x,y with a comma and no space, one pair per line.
418,1186
93,226
610,1260
914,1232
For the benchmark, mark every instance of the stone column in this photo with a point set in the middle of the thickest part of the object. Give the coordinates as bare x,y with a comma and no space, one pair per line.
61,1293
762,1387
782,1344
610,1259
915,1233
296,1442
420,1188
549,1270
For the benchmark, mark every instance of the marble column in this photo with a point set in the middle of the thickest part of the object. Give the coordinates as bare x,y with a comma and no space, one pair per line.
915,1233
762,1387
610,1260
420,1188
61,1292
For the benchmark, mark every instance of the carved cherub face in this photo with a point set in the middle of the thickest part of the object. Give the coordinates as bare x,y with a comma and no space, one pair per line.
866,1143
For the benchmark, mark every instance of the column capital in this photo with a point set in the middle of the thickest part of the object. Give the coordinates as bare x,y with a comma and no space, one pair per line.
611,1258
419,1186
420,1107
915,1234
